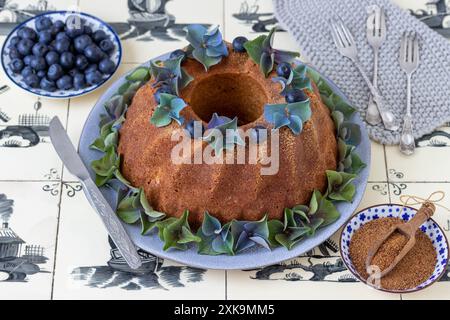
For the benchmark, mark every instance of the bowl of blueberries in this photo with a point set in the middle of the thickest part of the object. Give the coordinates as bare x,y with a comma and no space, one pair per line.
61,54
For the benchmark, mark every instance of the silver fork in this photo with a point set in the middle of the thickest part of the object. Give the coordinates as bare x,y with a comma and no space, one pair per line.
346,45
409,62
376,35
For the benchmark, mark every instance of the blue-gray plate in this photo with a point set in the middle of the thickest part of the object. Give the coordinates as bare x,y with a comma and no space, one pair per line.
253,258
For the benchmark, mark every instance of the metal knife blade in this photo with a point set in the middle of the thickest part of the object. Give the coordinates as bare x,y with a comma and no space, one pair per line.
66,151
75,165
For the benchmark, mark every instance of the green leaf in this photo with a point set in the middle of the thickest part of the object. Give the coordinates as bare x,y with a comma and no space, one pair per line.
275,227
148,210
146,224
161,225
266,64
340,187
177,234
139,74
254,48
123,88
357,164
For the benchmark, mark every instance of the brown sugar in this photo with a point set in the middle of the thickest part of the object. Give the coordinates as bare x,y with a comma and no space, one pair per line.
415,268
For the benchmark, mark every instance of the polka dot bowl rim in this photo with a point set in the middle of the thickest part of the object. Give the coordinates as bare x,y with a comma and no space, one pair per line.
60,94
431,224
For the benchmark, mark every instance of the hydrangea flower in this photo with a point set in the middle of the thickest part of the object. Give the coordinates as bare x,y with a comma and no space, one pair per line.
250,234
170,73
168,109
261,52
206,46
216,239
297,80
223,133
292,115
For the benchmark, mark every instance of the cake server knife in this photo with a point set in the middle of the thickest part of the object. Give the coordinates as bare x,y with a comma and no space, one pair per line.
69,156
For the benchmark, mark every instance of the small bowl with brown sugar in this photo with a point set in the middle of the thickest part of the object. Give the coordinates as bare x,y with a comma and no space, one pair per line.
424,265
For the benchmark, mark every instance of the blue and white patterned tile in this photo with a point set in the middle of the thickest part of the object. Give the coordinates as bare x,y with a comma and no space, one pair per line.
151,28
429,163
88,265
27,240
251,18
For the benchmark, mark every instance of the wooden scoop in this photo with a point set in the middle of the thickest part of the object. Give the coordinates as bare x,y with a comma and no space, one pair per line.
408,230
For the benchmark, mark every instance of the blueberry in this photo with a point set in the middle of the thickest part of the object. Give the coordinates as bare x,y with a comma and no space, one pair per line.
94,77
45,37
178,53
27,33
43,23
14,54
106,45
14,41
162,89
81,42
52,57
79,81
58,25
81,62
16,65
39,49
25,46
27,60
190,127
32,80
65,82
88,30
62,45
296,95
27,71
41,74
38,63
107,66
47,85
93,53
55,72
238,44
67,60
91,68
74,31
284,70
99,35
61,35
258,134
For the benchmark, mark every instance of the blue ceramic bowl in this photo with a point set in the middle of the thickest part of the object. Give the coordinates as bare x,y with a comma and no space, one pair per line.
93,22
250,259
430,228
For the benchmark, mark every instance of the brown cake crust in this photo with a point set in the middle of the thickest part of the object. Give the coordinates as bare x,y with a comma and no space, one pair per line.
226,191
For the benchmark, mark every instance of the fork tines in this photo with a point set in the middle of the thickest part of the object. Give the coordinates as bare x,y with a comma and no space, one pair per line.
376,24
341,34
409,52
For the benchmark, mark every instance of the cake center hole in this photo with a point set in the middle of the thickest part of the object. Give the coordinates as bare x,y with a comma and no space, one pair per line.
230,95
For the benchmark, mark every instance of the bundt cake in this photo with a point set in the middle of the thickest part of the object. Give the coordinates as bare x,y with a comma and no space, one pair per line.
235,87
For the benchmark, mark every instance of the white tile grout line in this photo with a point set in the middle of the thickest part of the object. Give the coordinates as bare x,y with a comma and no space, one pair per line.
59,211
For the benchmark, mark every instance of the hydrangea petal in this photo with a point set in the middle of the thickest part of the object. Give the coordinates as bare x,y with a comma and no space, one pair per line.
301,110
195,33
295,124
280,120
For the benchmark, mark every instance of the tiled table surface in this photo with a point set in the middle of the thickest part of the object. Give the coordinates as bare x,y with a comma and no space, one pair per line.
51,212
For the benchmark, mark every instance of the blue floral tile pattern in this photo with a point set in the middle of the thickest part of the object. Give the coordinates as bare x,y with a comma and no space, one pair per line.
430,228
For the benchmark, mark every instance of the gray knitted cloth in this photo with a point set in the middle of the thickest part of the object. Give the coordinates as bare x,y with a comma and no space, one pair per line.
307,20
